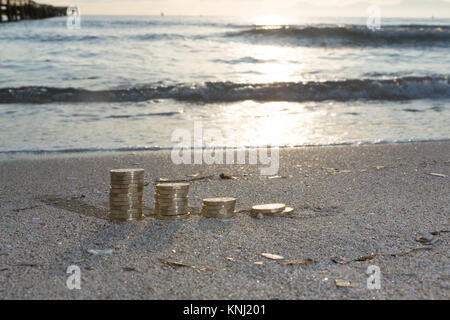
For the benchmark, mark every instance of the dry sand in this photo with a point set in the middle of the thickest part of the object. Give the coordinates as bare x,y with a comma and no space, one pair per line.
350,201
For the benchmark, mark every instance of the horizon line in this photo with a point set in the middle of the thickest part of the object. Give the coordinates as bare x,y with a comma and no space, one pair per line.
238,16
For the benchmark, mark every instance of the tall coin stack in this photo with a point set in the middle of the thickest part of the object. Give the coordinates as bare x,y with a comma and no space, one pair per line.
221,208
125,198
171,200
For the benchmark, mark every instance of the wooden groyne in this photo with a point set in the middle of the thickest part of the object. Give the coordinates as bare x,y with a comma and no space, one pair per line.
16,10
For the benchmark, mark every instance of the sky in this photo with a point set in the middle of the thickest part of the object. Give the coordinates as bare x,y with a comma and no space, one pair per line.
321,8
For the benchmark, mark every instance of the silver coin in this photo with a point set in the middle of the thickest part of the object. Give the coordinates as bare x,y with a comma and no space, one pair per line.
168,202
219,201
170,196
125,208
172,186
171,206
183,208
269,208
124,203
221,214
167,207
127,186
170,212
127,182
128,211
171,209
126,195
171,199
127,176
171,203
126,171
218,209
171,193
126,191
219,206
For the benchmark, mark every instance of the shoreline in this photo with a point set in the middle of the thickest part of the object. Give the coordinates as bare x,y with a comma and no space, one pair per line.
380,202
74,153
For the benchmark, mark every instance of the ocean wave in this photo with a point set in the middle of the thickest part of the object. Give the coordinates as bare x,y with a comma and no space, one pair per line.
169,147
54,37
97,38
407,88
356,35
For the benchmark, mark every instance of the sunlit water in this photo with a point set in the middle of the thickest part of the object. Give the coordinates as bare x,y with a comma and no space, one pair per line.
131,81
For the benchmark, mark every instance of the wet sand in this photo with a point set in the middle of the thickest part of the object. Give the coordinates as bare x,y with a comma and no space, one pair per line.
355,206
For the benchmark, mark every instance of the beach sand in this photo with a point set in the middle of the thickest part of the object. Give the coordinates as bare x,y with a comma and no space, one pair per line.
350,202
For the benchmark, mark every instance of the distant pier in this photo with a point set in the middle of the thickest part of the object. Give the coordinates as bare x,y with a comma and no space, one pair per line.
16,10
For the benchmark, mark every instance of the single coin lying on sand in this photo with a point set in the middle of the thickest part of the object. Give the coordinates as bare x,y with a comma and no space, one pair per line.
269,208
272,209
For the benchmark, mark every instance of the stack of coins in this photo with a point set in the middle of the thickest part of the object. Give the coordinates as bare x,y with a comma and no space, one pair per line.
272,209
125,199
171,200
219,207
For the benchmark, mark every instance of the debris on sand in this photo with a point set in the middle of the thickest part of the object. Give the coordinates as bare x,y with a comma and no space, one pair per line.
336,170
342,260
411,250
131,269
193,175
365,258
438,175
345,284
98,252
300,261
179,264
196,178
176,263
428,239
272,256
23,209
225,176
277,177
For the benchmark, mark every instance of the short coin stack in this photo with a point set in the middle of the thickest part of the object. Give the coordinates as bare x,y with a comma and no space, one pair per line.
171,200
219,207
272,209
125,198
